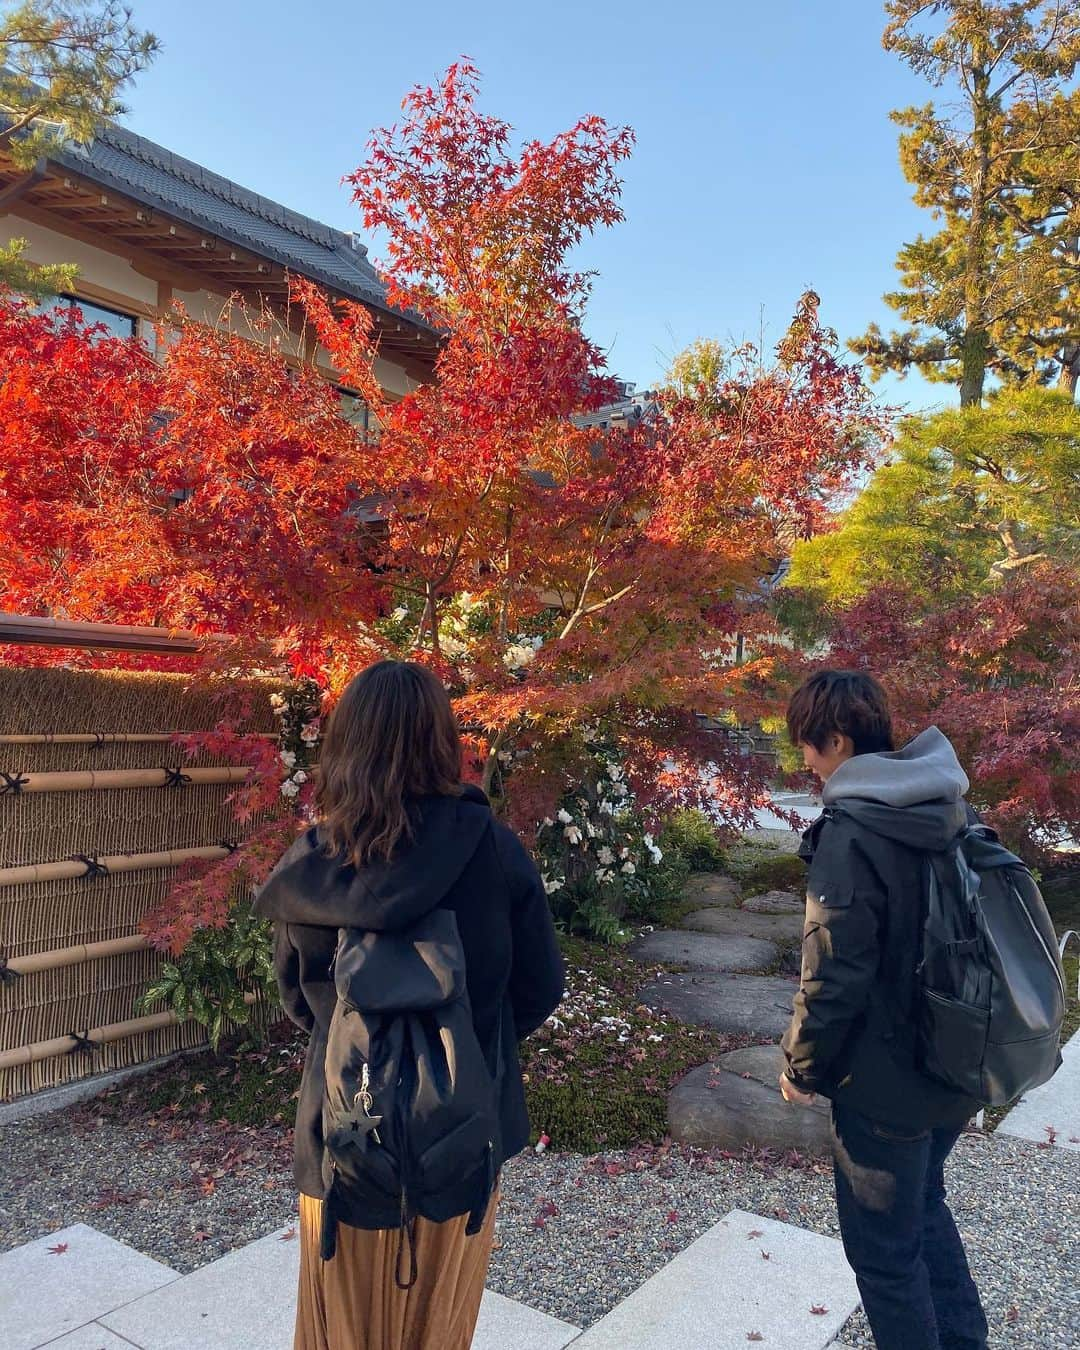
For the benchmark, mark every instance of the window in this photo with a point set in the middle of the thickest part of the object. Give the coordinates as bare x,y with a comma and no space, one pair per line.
356,410
116,321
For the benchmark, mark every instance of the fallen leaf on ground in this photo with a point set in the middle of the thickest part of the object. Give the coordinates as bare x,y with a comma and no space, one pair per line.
288,1235
766,1256
1013,1315
754,1336
59,1249
818,1309
755,1233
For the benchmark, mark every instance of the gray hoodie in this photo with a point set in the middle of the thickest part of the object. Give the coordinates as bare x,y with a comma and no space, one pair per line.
914,795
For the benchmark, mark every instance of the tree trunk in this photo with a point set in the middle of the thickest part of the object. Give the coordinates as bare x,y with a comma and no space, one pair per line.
976,344
1070,368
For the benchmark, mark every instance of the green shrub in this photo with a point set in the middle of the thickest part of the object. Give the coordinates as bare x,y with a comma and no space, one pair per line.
693,837
774,872
210,980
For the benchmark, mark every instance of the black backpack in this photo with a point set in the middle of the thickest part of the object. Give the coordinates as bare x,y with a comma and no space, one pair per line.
410,1111
991,988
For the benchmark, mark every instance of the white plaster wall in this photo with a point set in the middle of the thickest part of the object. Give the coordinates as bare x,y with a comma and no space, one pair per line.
95,265
392,378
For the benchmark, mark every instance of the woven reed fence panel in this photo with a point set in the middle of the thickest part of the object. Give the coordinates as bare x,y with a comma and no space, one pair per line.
46,827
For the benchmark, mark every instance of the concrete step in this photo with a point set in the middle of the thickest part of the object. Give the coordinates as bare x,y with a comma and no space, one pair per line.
746,1278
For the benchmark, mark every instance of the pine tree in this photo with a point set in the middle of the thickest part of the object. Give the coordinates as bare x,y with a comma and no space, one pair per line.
63,64
997,287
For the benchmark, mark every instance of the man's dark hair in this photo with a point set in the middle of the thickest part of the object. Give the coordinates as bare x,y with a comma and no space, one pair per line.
843,702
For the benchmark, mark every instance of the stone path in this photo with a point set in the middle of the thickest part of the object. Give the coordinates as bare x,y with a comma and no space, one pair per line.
80,1290
1051,1113
727,952
700,951
735,1103
747,923
756,1005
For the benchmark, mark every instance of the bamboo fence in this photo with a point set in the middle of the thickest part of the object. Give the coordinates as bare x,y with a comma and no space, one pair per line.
90,839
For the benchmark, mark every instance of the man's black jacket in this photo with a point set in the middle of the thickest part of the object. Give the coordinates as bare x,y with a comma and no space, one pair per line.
852,1037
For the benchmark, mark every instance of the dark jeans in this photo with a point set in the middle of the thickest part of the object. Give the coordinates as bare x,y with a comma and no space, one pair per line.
900,1238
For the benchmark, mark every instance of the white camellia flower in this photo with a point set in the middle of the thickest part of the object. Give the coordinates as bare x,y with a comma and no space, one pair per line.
288,758
452,648
605,856
290,789
614,772
299,776
277,705
548,822
552,884
573,834
565,817
517,656
629,868
400,613
602,874
606,808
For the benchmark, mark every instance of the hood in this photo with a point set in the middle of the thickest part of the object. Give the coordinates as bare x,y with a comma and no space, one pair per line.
914,795
309,887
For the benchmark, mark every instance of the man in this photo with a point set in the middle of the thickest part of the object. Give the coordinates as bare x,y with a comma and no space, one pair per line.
852,1036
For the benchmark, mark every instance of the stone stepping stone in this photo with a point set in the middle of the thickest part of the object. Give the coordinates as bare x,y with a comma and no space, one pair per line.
720,1291
758,1005
776,902
710,888
786,929
705,951
737,1102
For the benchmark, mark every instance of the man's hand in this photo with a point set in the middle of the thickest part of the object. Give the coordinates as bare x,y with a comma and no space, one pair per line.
792,1095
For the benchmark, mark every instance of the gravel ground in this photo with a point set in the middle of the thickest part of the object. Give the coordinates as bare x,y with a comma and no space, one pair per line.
575,1234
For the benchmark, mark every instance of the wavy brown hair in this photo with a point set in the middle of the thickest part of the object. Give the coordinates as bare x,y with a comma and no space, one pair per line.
391,738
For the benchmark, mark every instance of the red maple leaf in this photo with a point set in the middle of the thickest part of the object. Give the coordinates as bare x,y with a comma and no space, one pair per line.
818,1309
288,1235
59,1249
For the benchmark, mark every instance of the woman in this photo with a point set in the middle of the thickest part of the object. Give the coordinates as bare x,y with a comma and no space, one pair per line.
400,839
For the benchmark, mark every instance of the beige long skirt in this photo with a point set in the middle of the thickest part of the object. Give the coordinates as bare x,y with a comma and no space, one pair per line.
353,1302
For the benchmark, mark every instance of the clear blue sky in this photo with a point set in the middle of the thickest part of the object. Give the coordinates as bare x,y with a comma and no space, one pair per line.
765,162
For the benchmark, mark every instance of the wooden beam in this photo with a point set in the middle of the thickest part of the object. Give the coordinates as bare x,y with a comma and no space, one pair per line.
103,295
46,632
15,190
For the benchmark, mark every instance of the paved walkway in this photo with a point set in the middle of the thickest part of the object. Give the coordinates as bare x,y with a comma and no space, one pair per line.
746,1278
1051,1114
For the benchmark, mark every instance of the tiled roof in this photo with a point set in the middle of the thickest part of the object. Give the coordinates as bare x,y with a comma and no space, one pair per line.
150,174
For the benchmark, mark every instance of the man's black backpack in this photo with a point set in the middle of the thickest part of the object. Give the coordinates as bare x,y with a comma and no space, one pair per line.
991,989
410,1112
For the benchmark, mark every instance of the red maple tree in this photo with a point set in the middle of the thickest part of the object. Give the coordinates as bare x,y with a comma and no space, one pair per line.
573,585
1000,675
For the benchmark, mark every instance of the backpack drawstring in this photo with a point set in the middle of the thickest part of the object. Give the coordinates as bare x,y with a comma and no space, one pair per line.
406,1232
